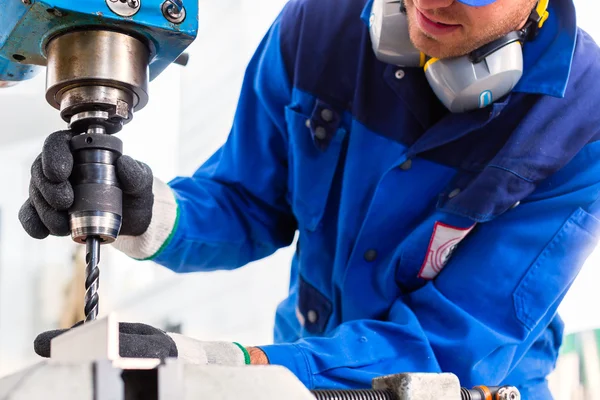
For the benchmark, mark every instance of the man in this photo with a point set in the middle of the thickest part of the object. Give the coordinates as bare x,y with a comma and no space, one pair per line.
429,240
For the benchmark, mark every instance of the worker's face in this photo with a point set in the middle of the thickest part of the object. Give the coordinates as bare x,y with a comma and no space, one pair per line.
447,28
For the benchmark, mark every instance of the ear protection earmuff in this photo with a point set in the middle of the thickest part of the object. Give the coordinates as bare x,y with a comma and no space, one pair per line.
464,83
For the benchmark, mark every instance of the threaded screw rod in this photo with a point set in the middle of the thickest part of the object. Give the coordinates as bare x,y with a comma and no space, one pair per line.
358,394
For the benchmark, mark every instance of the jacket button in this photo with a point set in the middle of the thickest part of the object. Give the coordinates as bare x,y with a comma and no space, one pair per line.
312,316
406,165
320,133
400,74
454,193
370,255
327,115
307,123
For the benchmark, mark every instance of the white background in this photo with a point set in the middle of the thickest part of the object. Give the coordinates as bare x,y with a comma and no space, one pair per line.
236,305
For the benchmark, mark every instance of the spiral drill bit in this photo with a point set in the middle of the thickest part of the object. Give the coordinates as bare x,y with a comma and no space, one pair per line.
92,281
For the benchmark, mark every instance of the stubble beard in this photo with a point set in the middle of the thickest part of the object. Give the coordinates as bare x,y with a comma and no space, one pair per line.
464,40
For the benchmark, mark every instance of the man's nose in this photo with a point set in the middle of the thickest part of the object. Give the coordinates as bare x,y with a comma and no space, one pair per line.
433,4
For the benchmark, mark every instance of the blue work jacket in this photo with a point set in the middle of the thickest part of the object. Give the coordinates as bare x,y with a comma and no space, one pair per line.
428,241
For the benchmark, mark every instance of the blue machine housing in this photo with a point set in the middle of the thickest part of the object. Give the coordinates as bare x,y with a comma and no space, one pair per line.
14,71
25,30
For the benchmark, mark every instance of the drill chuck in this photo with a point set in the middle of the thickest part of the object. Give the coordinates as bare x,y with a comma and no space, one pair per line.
98,204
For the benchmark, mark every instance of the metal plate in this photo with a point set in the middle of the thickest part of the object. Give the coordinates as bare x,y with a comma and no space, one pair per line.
93,341
98,340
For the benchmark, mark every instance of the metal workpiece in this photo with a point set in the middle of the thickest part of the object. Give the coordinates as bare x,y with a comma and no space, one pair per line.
97,71
96,340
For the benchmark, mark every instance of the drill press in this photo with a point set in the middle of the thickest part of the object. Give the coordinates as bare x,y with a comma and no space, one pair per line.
99,57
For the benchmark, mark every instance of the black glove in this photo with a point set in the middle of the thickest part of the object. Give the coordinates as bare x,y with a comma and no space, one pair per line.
51,194
135,341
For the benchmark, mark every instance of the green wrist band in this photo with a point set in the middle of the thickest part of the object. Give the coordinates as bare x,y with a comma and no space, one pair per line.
246,354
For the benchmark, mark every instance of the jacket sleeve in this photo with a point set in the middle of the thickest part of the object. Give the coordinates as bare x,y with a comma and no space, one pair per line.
233,210
496,296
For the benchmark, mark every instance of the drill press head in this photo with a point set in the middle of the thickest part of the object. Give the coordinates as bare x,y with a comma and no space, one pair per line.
165,27
100,54
97,78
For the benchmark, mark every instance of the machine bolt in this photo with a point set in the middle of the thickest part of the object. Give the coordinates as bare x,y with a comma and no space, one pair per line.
124,8
508,393
173,11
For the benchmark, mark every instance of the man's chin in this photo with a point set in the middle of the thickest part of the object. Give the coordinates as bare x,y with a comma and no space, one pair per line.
436,48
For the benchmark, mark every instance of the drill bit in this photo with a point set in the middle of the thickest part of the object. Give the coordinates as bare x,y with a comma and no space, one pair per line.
92,280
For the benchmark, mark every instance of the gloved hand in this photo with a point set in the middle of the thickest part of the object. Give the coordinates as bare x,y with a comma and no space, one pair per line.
51,194
144,341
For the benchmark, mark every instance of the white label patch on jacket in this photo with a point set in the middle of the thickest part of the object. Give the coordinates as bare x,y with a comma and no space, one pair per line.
444,240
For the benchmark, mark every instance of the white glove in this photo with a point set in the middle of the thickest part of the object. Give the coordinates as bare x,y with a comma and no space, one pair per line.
162,225
194,351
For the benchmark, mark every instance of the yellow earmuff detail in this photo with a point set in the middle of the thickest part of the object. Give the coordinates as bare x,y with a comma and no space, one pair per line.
542,10
430,62
423,58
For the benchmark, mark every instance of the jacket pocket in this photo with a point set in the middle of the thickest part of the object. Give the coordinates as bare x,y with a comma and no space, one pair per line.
315,149
427,250
551,275
314,309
